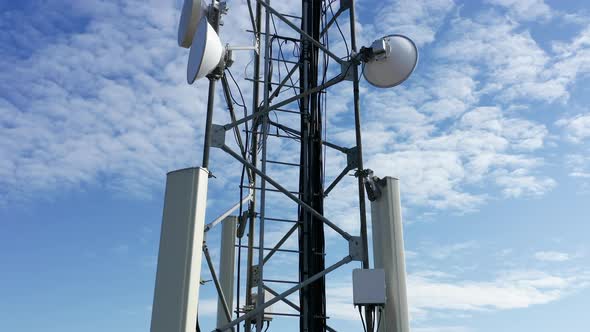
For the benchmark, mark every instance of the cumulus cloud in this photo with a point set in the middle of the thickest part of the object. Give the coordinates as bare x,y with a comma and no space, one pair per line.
578,166
484,145
420,20
125,115
430,293
506,55
105,102
502,293
576,129
511,62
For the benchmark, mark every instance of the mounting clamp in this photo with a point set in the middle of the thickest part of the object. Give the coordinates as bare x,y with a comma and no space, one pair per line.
352,158
371,183
347,70
217,136
355,248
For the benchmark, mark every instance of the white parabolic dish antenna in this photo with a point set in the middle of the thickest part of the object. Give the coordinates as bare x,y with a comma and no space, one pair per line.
192,11
206,52
395,65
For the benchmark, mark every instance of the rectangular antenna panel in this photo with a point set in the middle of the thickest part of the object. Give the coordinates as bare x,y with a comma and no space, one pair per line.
178,277
388,251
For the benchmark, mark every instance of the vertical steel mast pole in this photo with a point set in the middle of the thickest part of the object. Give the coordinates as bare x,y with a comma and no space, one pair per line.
311,235
266,103
214,20
359,145
303,174
253,147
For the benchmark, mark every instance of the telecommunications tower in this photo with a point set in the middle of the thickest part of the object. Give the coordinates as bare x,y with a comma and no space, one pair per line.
294,63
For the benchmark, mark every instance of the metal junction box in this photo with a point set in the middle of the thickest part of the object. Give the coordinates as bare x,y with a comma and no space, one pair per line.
368,286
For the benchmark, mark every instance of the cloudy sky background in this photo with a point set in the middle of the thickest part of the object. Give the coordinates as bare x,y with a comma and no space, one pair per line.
490,138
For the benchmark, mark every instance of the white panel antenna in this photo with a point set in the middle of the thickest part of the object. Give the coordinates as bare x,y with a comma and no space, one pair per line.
178,277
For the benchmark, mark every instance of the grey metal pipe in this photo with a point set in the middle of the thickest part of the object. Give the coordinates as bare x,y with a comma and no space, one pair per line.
359,144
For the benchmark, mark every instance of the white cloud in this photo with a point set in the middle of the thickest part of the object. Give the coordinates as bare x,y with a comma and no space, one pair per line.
552,256
520,183
105,104
420,20
525,9
125,114
578,166
443,252
510,61
576,129
433,292
509,291
484,145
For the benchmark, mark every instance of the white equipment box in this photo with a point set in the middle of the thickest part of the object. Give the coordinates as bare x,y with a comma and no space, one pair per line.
268,311
368,286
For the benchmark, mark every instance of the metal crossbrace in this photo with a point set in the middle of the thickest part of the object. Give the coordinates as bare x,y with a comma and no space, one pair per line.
224,305
337,180
231,210
301,32
284,82
333,19
268,179
267,109
260,309
281,242
297,133
291,304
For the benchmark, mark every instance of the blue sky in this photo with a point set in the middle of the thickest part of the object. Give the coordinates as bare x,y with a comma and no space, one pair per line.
490,138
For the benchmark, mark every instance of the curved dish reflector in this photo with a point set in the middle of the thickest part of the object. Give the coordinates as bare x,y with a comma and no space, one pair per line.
206,52
395,66
192,11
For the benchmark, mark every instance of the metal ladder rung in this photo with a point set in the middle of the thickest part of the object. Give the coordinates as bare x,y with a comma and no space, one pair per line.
280,281
287,111
279,250
270,189
278,135
281,220
293,39
242,311
271,83
291,16
282,163
286,61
